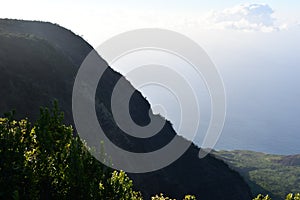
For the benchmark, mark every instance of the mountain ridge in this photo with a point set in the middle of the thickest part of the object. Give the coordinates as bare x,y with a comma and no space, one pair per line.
41,66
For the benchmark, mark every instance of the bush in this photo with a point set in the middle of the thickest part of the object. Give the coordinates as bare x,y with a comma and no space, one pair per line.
288,197
161,197
46,161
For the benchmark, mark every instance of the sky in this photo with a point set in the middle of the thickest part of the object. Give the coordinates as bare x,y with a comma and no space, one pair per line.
98,20
254,44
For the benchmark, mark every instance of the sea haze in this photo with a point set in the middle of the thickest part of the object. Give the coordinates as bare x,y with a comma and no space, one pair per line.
261,78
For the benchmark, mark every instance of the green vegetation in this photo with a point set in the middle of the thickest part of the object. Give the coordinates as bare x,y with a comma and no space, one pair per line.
267,174
45,161
288,197
161,197
293,197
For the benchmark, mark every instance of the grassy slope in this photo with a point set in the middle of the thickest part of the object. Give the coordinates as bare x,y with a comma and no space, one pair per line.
265,173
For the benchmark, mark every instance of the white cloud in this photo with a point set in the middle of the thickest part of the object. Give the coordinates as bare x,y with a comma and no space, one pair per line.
246,17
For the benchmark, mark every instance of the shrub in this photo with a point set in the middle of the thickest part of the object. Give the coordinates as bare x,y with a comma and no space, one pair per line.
46,161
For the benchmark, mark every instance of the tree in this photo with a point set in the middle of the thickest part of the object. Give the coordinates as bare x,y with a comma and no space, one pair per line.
290,196
48,161
262,197
161,197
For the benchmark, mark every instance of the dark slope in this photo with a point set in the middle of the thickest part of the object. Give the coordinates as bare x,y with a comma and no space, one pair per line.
38,63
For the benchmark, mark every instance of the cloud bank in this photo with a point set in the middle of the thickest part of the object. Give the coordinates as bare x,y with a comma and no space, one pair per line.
246,17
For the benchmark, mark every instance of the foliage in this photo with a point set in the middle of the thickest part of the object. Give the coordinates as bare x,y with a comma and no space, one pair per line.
265,173
161,197
262,197
293,196
122,187
189,197
46,161
290,196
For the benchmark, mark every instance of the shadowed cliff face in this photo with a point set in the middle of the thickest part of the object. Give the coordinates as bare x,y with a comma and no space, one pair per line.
39,62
